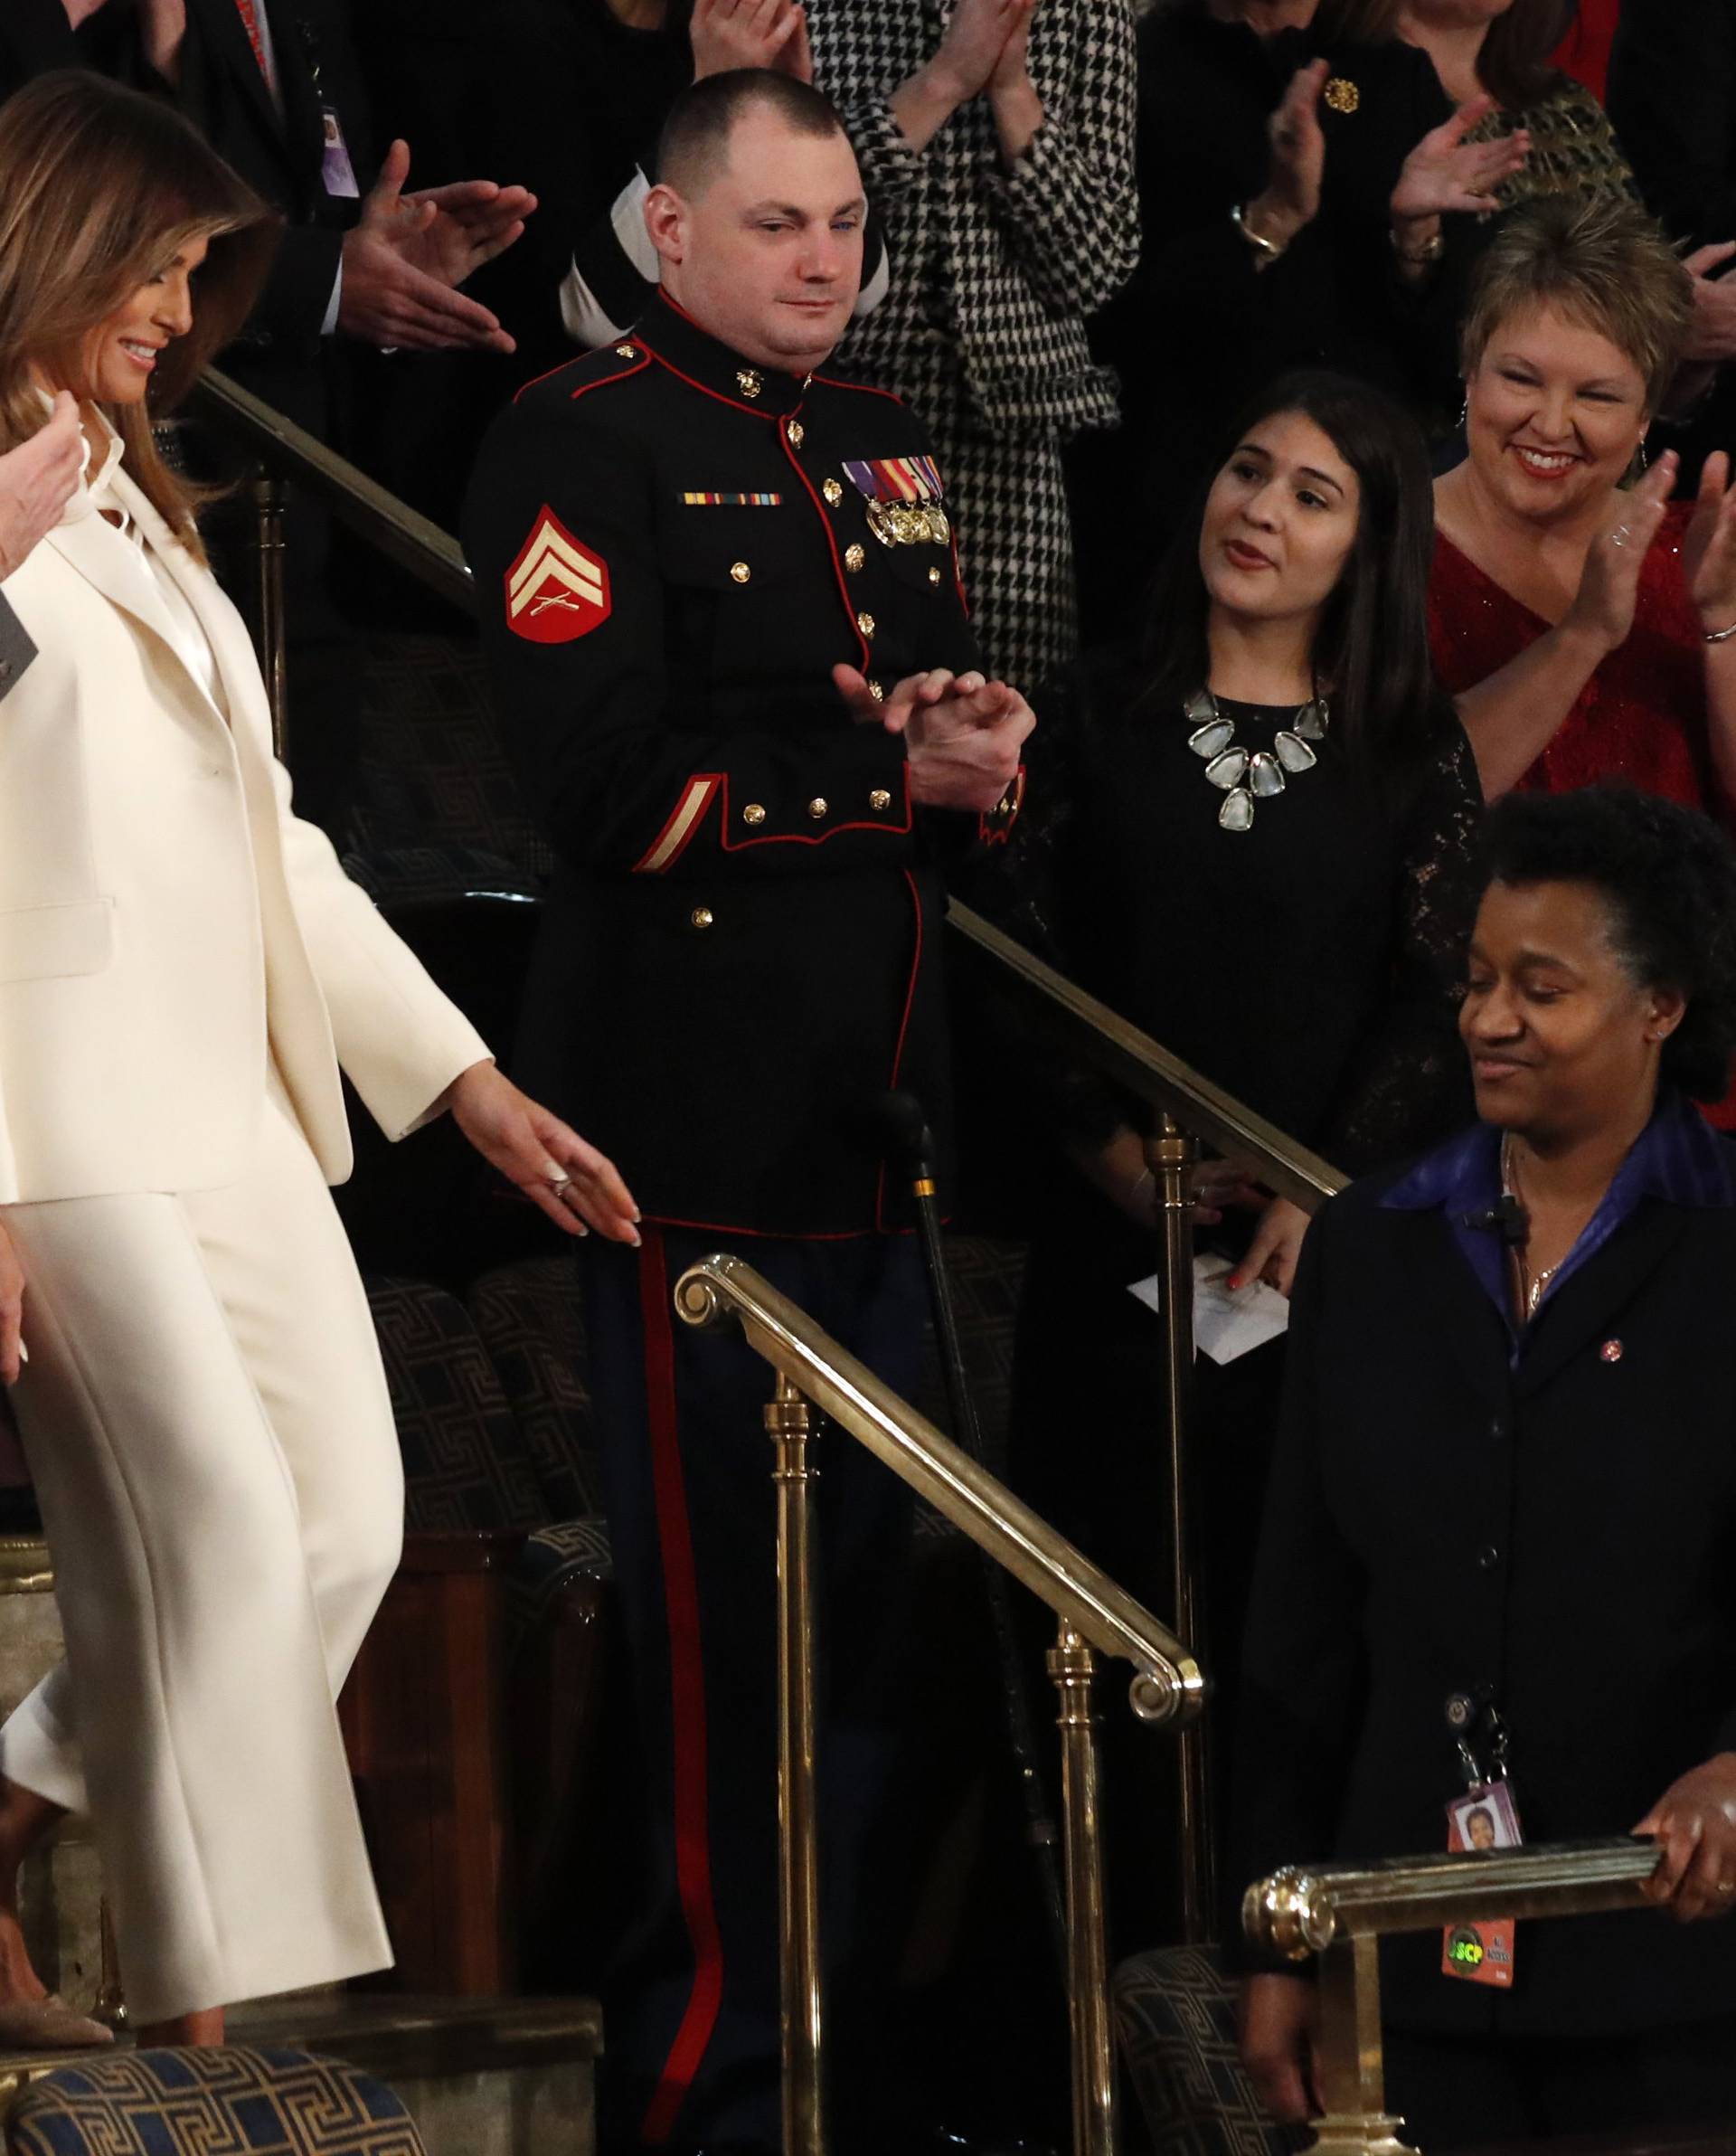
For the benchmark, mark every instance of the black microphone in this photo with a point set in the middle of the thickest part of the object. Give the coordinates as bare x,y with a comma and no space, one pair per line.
1509,1220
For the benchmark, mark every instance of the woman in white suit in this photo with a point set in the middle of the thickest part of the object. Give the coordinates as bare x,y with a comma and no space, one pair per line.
184,970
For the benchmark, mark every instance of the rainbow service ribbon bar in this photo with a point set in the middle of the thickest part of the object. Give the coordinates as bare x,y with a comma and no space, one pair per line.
732,501
903,496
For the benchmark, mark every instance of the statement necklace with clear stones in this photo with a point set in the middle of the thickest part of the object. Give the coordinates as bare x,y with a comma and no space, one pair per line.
1245,777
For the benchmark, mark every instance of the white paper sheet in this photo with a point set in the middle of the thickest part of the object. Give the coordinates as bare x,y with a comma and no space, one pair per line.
1227,1323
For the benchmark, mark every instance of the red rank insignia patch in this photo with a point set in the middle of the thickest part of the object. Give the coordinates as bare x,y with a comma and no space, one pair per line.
556,591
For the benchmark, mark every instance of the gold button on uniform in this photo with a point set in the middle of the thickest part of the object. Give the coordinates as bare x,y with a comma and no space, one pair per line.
796,435
880,799
832,492
865,623
753,814
877,692
750,380
934,576
739,571
816,807
625,352
700,916
854,557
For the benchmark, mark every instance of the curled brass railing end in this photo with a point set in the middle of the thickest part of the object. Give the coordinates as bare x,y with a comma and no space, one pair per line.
1175,1694
697,1298
1285,1915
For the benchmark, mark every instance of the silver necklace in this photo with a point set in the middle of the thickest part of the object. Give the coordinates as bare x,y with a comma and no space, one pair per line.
1243,778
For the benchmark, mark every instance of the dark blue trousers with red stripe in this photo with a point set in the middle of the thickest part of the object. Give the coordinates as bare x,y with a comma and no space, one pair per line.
692,2017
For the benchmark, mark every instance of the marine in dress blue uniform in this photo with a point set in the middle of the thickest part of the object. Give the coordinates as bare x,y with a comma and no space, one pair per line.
741,954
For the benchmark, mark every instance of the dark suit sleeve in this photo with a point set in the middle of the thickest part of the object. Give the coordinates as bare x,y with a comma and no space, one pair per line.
1672,102
292,308
1302,1665
16,650
628,778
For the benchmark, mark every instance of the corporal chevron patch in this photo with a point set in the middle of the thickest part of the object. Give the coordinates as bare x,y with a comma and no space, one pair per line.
556,591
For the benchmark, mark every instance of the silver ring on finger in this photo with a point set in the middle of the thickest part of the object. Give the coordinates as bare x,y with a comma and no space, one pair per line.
1620,535
560,1184
1727,1886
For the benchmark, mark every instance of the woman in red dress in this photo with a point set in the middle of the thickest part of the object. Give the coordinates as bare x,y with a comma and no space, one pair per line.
1586,632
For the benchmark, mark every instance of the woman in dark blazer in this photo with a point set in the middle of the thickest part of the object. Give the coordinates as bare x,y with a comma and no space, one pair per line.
1506,1475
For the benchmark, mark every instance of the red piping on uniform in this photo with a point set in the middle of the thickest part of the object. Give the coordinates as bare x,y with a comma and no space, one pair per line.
687,1700
826,525
866,388
602,381
903,1027
740,846
734,403
713,781
720,1227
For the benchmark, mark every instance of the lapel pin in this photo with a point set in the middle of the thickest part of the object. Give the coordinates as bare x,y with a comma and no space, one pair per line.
1342,95
1610,1351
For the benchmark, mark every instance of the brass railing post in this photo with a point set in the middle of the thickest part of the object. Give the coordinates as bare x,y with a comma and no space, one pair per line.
789,1422
1352,2069
1073,1665
1172,1155
269,496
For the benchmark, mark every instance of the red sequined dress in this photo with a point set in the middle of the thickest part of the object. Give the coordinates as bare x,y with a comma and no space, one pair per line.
1640,720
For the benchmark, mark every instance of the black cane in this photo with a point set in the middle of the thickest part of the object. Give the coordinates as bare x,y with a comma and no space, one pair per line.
910,1148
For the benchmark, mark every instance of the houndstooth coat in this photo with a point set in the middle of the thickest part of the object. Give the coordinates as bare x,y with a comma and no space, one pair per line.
993,275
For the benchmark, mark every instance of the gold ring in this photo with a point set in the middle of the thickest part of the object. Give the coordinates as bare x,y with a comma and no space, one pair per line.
1727,1885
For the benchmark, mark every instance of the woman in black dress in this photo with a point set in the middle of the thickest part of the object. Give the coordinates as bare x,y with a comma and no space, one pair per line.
1243,839
1505,1474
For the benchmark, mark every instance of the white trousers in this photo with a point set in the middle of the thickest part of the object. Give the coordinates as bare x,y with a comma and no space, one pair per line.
208,1429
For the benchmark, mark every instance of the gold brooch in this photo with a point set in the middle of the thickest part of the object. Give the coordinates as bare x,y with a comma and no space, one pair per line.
1342,95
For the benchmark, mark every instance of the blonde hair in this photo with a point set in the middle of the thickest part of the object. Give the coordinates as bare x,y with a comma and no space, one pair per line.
101,188
1596,260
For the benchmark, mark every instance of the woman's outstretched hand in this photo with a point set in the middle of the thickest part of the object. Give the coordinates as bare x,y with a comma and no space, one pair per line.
1694,1821
1445,173
571,1181
1291,197
1276,1245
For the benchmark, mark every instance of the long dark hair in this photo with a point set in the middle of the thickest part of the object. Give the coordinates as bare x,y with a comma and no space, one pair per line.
100,187
1370,644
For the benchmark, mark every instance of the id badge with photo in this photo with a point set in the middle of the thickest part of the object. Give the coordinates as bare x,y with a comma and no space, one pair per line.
1483,1819
335,169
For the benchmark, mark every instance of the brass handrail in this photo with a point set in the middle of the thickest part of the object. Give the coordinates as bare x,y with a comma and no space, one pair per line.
289,452
1339,1912
1116,1048
1302,1911
1092,1612
1169,1686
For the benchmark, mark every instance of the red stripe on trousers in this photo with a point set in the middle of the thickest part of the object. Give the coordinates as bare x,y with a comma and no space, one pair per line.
687,1700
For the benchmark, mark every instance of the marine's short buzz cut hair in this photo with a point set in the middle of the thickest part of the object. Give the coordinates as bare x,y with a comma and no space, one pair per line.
694,144
1600,261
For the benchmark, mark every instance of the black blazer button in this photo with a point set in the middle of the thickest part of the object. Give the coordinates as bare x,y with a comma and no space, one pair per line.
1487,1559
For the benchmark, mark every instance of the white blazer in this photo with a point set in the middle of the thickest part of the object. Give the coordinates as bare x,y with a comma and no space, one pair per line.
164,915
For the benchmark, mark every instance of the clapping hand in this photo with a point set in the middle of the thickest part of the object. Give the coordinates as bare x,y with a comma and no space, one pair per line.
1709,547
727,34
1291,196
570,1180
972,53
1445,173
1603,606
962,735
37,482
404,261
1695,1821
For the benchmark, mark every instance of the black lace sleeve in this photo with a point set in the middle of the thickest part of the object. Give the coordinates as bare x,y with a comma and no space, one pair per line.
1408,1085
